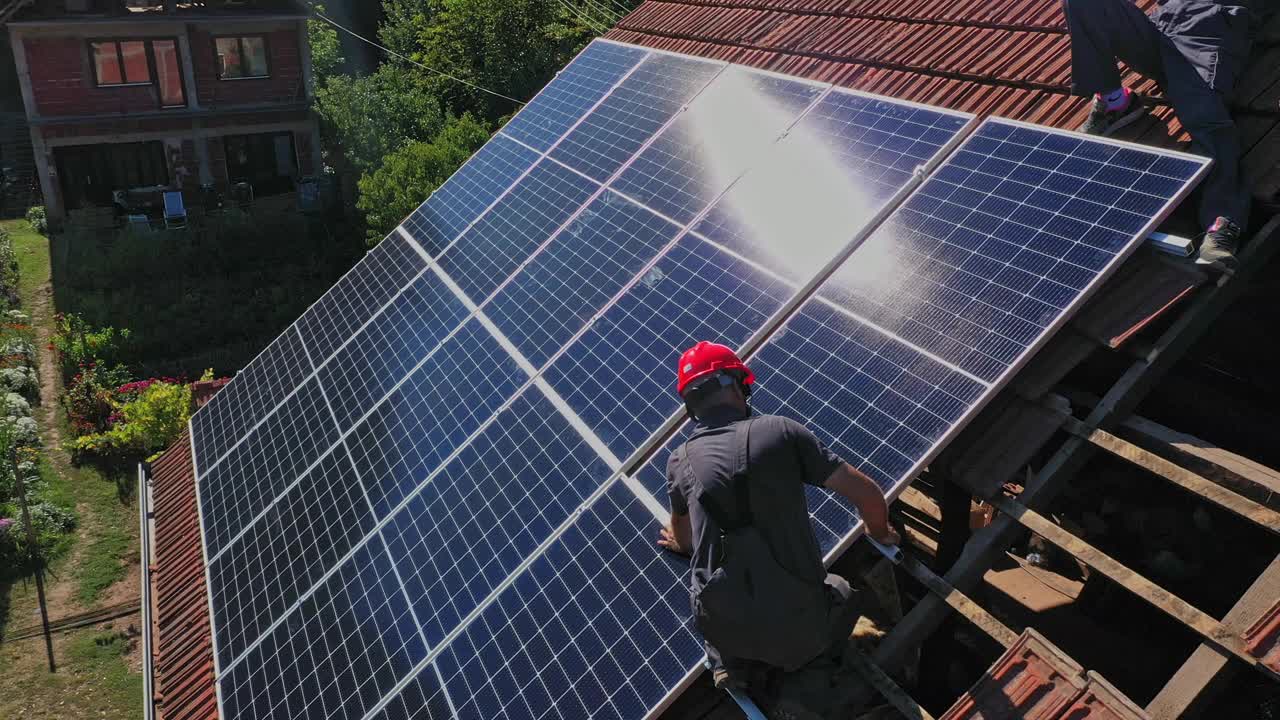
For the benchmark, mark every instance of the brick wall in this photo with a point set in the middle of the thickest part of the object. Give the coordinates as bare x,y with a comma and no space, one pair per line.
283,60
62,82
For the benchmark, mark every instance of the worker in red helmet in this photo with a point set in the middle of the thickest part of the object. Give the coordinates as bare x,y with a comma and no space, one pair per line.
761,594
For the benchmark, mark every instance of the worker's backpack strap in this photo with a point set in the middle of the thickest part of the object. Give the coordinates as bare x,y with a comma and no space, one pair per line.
741,492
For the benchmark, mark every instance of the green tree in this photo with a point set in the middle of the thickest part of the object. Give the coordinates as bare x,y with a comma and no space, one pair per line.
410,174
512,47
326,50
368,118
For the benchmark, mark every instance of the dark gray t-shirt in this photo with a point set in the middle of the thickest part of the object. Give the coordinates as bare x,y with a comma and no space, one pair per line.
784,456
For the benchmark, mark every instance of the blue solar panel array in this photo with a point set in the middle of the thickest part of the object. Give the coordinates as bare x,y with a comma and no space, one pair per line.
416,502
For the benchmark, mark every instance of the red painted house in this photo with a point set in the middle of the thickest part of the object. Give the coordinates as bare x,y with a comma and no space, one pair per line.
138,96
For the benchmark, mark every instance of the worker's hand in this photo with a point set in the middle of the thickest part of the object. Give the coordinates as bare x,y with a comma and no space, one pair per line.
889,537
667,540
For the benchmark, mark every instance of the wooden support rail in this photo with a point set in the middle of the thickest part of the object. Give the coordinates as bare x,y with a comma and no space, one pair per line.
1244,507
959,602
1211,630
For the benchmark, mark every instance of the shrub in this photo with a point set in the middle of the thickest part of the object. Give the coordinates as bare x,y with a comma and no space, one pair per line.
78,345
21,380
39,219
89,400
8,270
413,172
151,421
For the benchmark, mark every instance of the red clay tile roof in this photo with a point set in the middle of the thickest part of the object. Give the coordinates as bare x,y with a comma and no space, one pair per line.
184,687
1008,57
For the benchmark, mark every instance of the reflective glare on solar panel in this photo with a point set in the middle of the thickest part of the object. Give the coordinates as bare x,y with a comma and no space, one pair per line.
436,494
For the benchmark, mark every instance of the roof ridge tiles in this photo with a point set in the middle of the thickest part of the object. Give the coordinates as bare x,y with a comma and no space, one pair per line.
943,19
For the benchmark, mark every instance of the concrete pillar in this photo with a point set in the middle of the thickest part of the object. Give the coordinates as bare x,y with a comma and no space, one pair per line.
304,53
188,68
49,185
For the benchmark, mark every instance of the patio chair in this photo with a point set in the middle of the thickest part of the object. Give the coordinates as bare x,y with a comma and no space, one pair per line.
175,212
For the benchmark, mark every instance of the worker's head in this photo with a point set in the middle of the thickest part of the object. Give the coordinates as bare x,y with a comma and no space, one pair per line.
711,375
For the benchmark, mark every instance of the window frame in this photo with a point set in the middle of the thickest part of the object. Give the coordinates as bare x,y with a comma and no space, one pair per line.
153,74
240,38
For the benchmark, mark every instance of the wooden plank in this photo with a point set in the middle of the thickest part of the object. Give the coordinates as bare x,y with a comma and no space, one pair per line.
1192,685
988,544
887,688
1177,608
1256,473
960,602
1235,472
1249,510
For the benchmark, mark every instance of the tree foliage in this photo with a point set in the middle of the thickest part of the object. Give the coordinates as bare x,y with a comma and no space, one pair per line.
326,50
410,174
512,47
371,117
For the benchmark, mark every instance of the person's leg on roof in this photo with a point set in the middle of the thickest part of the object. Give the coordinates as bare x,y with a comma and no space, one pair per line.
1207,49
1102,33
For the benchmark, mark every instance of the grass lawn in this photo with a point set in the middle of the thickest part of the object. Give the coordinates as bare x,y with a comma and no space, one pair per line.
98,565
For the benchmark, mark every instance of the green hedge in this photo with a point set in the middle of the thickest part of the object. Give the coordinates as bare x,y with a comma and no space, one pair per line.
200,298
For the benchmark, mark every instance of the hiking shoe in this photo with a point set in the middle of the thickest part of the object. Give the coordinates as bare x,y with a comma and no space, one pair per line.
1104,122
1219,245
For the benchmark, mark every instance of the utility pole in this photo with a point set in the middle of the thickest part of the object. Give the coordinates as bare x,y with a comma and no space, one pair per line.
34,549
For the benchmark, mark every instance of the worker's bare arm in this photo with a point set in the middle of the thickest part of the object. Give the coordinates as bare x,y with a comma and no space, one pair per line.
865,495
677,536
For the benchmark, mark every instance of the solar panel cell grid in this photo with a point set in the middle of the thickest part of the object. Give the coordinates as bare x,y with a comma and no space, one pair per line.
260,468
695,292
573,278
595,628
286,552
335,317
464,196
489,509
637,108
424,420
236,408
724,130
339,653
514,227
390,346
809,195
571,94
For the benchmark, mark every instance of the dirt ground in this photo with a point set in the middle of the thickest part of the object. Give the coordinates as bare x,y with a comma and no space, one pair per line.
98,673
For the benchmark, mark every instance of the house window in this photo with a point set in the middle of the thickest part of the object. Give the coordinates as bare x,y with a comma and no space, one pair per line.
242,57
121,62
140,62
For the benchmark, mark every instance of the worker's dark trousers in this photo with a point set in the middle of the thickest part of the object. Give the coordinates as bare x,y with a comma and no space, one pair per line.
1103,31
810,682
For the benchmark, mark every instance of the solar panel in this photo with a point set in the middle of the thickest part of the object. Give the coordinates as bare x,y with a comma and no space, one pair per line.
694,292
724,130
464,197
508,233
489,509
411,502
287,551
594,628
560,290
636,109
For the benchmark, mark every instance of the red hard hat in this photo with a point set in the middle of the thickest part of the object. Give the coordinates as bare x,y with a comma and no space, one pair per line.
705,358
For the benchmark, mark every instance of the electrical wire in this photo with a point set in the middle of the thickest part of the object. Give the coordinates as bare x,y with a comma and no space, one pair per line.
582,18
393,53
609,15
